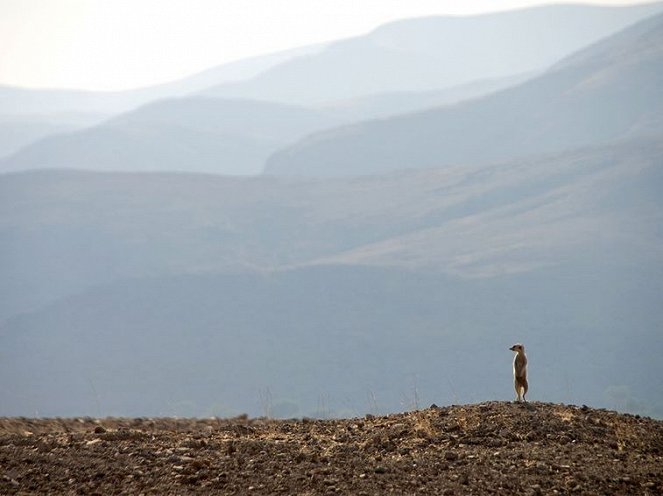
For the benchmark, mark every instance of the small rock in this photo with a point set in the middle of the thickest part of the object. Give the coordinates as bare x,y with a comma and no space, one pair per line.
451,456
380,470
99,429
11,481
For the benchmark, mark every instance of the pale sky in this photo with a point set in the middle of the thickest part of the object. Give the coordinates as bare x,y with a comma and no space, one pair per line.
122,44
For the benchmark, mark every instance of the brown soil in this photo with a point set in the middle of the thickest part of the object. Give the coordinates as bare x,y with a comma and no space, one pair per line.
489,448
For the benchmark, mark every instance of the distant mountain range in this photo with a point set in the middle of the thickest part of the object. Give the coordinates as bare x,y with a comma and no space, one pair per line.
17,131
402,67
436,52
58,225
187,134
611,90
201,291
29,115
377,265
15,101
381,105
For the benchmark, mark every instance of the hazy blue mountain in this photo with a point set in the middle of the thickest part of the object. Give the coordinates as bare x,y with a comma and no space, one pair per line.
529,214
196,134
65,231
400,67
28,115
17,131
609,91
532,214
188,134
389,104
437,52
336,340
22,101
146,294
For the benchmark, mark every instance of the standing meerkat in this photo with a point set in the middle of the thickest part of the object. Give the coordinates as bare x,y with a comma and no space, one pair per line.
520,371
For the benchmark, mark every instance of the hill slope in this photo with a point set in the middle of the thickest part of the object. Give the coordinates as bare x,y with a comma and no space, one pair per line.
539,448
55,226
187,134
19,131
204,344
610,91
381,105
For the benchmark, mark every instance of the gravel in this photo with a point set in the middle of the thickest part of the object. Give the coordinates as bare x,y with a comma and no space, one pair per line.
487,448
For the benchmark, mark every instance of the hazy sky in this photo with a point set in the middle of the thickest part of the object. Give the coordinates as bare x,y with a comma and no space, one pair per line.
119,44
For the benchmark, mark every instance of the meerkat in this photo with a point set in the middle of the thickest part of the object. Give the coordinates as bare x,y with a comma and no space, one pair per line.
520,371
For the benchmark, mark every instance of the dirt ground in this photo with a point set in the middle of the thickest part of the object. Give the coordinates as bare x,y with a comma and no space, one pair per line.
488,448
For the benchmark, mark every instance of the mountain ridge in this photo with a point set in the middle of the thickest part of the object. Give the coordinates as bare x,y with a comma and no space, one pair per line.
268,222
566,107
20,101
338,73
357,71
200,133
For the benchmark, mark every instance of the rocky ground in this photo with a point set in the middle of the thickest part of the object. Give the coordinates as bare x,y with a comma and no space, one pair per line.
488,448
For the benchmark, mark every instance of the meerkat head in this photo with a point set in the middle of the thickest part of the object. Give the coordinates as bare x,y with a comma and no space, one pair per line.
517,347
